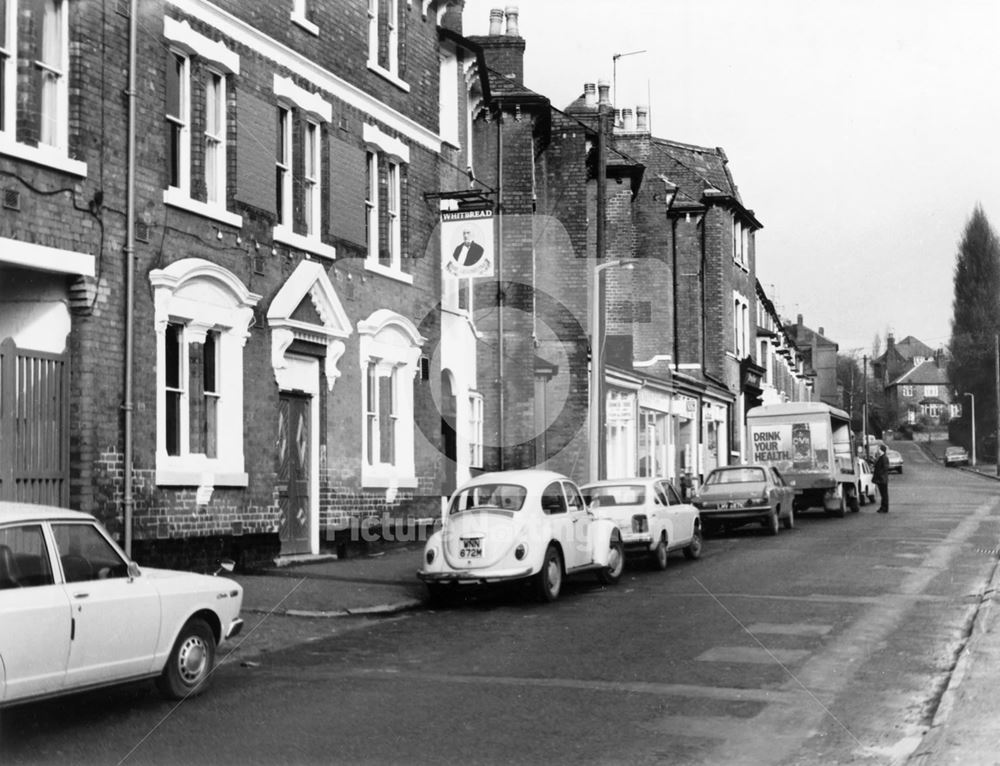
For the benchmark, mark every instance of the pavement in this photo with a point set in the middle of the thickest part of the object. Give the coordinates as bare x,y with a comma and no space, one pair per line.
966,725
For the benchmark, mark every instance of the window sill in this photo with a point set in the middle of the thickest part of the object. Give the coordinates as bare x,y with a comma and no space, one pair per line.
285,236
303,22
387,480
390,76
43,155
181,477
176,198
386,271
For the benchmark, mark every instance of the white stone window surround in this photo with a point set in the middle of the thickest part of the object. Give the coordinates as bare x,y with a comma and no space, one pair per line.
381,143
318,110
43,258
392,342
221,59
44,154
309,278
203,296
299,9
243,33
391,72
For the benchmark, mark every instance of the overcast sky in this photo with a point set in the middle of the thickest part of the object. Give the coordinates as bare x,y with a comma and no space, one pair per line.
861,132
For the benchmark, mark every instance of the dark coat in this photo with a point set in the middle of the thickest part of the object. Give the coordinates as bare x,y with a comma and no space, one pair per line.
475,253
880,472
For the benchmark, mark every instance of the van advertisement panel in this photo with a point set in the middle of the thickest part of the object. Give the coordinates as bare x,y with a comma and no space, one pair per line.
791,446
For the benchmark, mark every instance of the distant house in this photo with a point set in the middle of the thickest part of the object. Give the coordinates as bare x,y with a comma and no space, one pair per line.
922,394
900,357
820,357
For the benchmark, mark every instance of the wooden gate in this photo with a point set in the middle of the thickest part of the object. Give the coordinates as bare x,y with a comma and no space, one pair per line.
34,432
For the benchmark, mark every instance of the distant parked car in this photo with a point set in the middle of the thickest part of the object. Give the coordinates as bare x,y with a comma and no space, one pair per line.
955,456
77,614
652,518
866,487
527,525
895,461
740,494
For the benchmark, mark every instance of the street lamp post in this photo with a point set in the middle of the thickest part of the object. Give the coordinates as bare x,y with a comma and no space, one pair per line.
596,409
972,397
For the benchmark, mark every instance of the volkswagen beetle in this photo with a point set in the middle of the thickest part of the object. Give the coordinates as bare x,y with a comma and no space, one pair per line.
530,525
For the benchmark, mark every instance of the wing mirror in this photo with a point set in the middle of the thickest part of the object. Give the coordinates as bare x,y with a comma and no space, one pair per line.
133,570
225,565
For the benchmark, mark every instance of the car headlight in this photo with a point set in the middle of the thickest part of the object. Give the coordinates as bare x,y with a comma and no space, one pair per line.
521,551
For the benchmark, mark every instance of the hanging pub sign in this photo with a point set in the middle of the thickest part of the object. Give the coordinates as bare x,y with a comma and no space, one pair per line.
467,245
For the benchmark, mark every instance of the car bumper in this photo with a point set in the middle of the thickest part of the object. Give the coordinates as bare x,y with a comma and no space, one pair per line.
636,539
726,514
499,575
234,629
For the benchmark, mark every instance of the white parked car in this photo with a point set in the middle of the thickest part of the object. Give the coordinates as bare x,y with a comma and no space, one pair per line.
76,614
866,487
652,518
519,525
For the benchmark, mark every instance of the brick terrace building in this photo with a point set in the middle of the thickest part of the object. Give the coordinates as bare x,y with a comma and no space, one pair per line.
286,272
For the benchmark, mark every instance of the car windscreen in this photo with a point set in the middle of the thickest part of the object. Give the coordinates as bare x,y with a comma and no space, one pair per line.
617,494
735,476
508,497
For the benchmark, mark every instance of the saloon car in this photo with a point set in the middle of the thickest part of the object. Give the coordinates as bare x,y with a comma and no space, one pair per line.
735,495
895,461
529,525
652,519
77,614
955,456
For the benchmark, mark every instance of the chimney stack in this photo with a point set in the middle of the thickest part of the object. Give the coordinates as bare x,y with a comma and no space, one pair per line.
512,14
590,95
496,22
800,321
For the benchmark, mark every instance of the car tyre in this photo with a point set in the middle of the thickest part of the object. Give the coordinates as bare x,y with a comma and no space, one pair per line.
548,580
789,521
660,556
191,661
616,562
771,523
692,550
841,510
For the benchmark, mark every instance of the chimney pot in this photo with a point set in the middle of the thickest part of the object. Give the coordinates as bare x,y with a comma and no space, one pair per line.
604,93
821,331
800,320
590,94
618,118
642,118
496,22
628,119
512,14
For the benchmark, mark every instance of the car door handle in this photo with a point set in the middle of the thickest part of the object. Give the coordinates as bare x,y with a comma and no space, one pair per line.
81,595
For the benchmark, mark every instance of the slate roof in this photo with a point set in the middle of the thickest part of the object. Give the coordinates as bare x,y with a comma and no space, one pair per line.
697,171
925,374
804,335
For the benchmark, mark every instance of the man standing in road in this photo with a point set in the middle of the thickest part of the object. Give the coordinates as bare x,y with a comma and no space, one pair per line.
880,475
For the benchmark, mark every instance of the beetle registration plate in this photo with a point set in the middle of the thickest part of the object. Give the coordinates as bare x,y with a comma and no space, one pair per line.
472,548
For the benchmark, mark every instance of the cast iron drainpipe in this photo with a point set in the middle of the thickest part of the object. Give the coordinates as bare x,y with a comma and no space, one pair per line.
129,274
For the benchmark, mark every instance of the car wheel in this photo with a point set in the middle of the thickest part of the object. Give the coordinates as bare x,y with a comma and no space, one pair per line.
548,581
659,555
841,510
189,667
789,521
693,549
612,573
771,523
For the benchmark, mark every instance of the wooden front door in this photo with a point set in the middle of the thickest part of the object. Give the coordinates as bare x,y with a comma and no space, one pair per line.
293,473
34,431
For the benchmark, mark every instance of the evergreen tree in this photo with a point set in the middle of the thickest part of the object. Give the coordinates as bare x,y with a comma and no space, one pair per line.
976,317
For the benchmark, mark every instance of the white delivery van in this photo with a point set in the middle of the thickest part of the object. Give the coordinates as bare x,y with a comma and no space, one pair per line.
812,446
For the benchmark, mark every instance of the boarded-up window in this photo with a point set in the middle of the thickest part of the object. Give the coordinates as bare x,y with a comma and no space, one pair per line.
256,142
348,191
